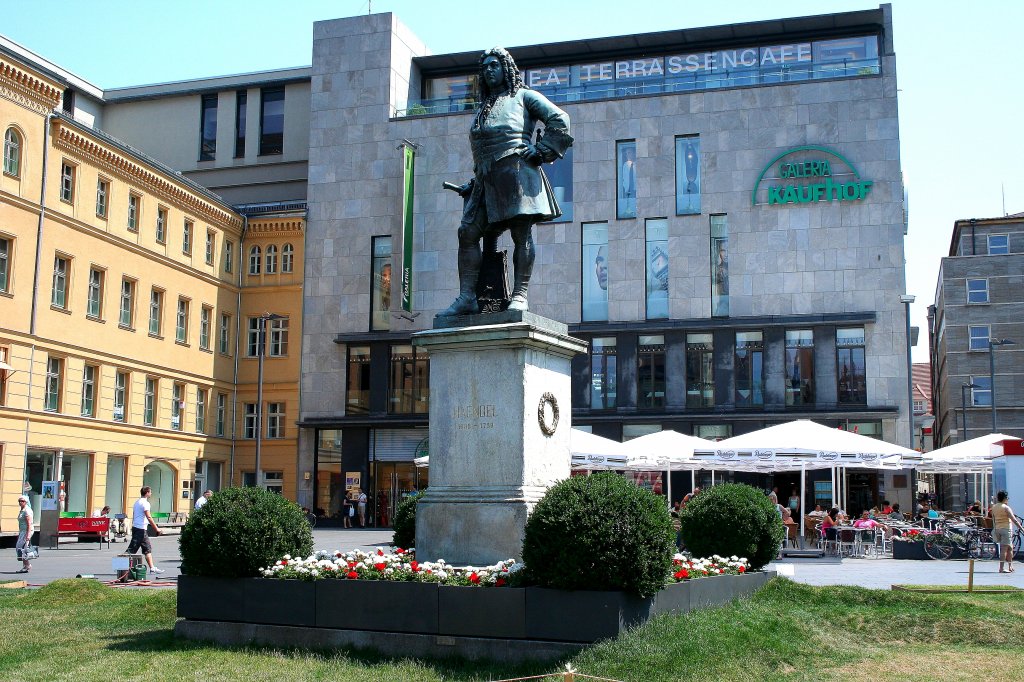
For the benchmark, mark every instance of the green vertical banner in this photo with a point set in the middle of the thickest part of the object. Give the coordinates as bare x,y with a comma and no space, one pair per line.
409,162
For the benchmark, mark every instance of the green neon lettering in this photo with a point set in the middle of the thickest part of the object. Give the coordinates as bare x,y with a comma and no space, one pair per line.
775,195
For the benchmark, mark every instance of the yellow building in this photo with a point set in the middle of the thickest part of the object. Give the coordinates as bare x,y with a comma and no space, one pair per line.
126,295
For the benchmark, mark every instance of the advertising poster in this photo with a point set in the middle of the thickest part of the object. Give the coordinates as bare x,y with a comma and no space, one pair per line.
49,500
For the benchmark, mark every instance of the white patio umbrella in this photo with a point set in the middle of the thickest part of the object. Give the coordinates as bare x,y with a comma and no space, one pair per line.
588,451
663,450
972,457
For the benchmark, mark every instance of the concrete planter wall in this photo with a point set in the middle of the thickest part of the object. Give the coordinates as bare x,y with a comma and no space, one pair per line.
909,550
426,609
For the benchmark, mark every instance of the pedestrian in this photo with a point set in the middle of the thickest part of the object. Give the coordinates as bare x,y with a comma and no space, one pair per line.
140,519
25,531
202,500
774,495
347,510
1003,520
104,513
361,508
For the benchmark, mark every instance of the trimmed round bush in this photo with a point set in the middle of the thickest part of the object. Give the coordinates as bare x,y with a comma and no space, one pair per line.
241,530
732,520
404,523
599,532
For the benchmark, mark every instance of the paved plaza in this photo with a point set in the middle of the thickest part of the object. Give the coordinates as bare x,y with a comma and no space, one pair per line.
74,559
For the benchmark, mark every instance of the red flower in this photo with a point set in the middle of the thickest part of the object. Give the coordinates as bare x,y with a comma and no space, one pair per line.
351,564
352,575
742,569
474,578
500,582
380,567
380,552
284,562
681,574
677,562
337,555
415,566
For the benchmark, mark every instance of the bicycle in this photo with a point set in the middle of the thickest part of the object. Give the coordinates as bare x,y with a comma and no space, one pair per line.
310,517
974,543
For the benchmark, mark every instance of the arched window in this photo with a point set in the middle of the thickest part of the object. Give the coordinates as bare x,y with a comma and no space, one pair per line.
287,258
254,260
271,259
12,152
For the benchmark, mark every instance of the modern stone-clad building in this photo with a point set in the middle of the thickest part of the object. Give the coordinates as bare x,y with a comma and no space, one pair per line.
978,310
732,244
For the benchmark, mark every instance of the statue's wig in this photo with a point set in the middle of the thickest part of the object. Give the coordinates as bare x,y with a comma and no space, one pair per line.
513,81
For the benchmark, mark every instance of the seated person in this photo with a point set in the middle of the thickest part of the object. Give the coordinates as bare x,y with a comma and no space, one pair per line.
975,509
792,527
886,507
831,519
818,511
100,513
896,513
868,523
933,513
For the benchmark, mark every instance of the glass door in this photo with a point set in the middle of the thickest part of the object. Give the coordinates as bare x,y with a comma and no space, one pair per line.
393,482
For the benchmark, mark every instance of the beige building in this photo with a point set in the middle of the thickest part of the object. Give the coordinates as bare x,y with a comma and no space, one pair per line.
130,305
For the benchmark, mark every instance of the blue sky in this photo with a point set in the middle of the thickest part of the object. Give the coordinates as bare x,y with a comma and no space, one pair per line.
958,68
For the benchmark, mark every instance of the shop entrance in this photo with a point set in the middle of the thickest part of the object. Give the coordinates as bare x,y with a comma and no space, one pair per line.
393,482
862,492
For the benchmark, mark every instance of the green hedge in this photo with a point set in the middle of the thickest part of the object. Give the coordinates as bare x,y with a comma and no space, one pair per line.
732,520
405,522
241,530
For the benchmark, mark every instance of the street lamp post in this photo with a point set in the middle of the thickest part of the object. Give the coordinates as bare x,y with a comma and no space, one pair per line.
261,351
907,299
963,406
992,343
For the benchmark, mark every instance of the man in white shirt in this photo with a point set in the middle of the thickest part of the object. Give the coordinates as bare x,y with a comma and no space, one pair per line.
140,518
202,500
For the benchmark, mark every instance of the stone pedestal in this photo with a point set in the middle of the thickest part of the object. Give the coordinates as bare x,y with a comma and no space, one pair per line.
500,415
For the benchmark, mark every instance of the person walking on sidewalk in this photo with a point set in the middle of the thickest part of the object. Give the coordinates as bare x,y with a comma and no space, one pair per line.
140,519
25,530
1003,521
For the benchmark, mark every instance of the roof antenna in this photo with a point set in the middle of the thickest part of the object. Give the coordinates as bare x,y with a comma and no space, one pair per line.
1003,185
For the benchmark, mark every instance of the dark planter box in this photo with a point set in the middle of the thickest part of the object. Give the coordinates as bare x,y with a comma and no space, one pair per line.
202,598
377,605
908,550
482,611
280,602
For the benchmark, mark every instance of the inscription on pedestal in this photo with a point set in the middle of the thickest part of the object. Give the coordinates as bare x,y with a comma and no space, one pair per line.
474,417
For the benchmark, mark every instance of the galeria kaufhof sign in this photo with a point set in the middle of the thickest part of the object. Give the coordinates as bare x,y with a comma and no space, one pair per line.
809,174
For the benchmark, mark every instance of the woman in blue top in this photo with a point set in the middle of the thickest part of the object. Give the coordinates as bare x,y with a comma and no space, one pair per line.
25,530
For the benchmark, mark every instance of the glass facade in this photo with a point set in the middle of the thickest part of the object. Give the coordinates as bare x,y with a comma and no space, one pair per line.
271,121
595,272
626,179
748,369
700,370
719,266
208,128
602,373
657,269
357,392
409,385
651,371
799,367
559,174
380,288
850,366
688,175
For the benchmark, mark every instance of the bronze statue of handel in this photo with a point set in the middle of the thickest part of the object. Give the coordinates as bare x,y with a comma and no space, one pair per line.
509,190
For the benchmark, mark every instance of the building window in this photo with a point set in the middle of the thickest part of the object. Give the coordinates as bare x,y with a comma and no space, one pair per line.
229,255
208,126
357,385
59,297
977,290
719,266
602,373
149,403
687,175
94,302
713,432
12,152
252,345
700,370
254,260
275,420
5,354
271,121
161,225
625,164
241,98
998,244
102,190
181,322
919,407
271,259
278,337
5,264
89,391
981,394
224,334
133,212
205,317
177,406
211,240
249,425
200,410
54,384
288,258
595,272
121,383
749,369
67,182
799,367
409,390
559,174
126,314
651,371
657,269
67,103
380,296
186,238
156,308
979,336
850,366
222,409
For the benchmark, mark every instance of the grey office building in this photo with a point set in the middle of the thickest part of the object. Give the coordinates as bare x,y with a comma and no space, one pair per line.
732,244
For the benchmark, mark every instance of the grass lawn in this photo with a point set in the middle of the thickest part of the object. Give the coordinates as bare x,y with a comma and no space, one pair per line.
82,630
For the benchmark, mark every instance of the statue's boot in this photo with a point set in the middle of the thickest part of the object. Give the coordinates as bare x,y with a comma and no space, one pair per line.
469,272
522,260
519,292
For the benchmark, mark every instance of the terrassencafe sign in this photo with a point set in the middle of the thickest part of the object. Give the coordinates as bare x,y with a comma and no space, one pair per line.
809,174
